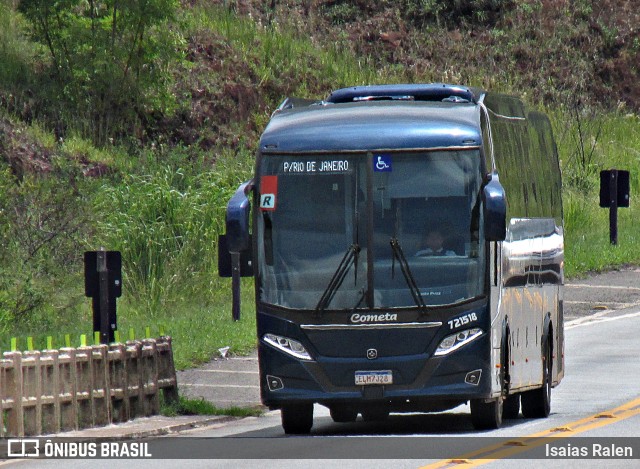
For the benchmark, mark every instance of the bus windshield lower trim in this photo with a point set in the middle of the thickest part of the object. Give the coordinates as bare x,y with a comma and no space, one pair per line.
404,325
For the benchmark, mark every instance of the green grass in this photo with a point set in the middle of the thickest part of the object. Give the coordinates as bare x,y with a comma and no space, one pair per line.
197,331
186,406
587,245
608,141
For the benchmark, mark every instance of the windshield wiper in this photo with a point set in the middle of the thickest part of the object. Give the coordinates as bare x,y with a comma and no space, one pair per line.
350,258
363,294
406,272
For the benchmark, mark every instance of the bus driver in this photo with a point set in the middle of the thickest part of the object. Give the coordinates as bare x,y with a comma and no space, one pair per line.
434,241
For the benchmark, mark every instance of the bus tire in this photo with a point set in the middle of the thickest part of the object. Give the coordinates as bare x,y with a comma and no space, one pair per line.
486,415
340,414
297,419
537,402
375,414
511,407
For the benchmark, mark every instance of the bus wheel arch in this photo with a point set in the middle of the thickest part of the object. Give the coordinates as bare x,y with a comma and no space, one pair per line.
505,357
537,402
511,402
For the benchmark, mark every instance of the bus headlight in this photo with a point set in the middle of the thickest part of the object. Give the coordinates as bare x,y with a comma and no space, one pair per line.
289,346
457,340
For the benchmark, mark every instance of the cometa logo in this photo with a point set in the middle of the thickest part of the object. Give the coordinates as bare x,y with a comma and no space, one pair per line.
386,317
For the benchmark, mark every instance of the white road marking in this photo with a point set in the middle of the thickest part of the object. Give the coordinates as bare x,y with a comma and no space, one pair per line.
598,318
202,385
596,304
611,287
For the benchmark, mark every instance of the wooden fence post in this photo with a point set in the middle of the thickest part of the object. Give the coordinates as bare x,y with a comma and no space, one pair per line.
3,398
67,388
120,407
135,384
50,392
166,371
101,394
151,377
15,417
84,389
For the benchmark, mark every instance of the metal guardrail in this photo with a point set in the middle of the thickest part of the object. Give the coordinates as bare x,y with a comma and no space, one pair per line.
51,391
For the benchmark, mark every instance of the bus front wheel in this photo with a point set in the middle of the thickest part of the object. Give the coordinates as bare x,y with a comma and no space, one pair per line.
375,414
486,415
511,406
343,414
297,419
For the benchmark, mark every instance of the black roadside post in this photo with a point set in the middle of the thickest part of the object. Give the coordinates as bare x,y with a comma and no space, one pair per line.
235,285
235,265
103,284
103,297
613,206
614,193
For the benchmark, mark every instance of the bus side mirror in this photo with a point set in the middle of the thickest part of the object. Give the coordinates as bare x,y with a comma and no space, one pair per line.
234,248
237,220
495,209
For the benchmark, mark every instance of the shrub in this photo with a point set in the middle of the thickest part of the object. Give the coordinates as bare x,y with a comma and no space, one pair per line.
109,60
43,224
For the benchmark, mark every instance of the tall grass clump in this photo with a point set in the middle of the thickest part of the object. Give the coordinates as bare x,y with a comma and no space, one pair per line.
166,223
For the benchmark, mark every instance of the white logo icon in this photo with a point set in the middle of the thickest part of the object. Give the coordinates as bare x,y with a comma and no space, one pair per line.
23,448
381,165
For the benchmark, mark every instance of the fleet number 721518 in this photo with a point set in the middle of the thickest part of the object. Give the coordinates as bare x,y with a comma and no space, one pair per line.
462,320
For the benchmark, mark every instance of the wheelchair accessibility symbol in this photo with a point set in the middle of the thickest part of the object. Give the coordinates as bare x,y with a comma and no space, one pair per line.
382,163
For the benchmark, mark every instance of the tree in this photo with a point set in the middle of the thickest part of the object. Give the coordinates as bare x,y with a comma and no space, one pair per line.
109,59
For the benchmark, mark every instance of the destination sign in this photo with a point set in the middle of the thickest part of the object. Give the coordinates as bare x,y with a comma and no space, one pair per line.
323,166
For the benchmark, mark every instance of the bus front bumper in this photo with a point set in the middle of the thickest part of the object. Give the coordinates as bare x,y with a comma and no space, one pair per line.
418,381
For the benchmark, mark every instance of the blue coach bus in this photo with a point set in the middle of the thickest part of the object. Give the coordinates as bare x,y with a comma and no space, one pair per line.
407,248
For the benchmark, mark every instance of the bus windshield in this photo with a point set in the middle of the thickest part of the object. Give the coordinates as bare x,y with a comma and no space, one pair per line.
376,230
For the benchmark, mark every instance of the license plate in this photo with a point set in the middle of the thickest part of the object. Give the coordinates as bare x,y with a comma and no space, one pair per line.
364,378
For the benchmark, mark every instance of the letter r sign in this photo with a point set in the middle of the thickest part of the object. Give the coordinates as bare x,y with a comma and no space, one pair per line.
268,192
268,201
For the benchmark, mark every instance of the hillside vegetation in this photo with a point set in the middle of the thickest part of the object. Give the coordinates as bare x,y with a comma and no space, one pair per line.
129,126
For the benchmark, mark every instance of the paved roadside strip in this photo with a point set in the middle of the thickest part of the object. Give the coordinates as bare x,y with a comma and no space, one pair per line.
225,382
147,427
234,381
617,289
